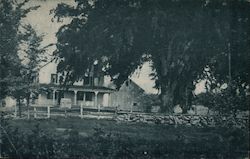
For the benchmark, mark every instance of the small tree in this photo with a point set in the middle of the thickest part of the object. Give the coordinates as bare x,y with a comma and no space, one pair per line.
32,56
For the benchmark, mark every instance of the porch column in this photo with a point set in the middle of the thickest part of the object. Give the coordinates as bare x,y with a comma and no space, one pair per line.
75,97
35,112
81,110
54,97
109,99
96,103
84,97
39,99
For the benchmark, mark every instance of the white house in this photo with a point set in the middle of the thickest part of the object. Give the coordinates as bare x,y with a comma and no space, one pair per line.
91,92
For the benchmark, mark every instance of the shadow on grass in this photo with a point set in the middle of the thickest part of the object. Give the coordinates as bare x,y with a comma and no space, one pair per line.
74,138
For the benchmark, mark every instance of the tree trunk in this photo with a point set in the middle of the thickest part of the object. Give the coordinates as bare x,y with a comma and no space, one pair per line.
167,87
1,136
19,107
28,103
166,99
1,102
188,98
166,96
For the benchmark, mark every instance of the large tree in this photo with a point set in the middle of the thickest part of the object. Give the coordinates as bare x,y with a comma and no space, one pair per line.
181,37
11,13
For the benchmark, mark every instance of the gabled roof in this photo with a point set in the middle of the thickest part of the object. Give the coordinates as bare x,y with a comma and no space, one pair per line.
136,85
79,88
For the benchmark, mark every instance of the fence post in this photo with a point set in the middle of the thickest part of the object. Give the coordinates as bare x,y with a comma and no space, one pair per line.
81,111
48,115
35,112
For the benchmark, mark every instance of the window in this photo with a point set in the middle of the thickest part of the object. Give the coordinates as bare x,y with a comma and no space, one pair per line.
86,81
80,95
61,94
89,96
96,81
96,69
49,95
126,83
134,104
56,95
89,80
53,78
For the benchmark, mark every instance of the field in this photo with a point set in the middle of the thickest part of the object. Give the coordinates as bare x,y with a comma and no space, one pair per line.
92,138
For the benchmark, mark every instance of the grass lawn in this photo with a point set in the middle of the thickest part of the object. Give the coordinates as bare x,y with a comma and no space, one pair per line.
92,138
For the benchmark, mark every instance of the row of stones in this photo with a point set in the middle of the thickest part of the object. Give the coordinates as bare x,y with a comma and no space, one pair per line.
189,120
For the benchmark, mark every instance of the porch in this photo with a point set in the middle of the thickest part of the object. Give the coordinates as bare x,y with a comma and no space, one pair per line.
88,97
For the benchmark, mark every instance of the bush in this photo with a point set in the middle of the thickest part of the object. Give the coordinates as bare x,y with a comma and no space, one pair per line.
226,101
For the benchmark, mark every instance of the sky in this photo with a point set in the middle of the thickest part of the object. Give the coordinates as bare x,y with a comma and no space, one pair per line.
40,19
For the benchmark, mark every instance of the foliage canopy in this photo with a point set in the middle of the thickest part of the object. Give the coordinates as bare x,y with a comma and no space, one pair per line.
180,37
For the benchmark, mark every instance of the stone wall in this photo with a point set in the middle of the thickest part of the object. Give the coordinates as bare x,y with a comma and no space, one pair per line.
188,120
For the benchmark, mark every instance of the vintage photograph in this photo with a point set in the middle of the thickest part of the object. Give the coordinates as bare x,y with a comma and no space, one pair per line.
96,79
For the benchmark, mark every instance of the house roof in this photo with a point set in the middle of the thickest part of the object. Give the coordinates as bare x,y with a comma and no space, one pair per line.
78,88
136,85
